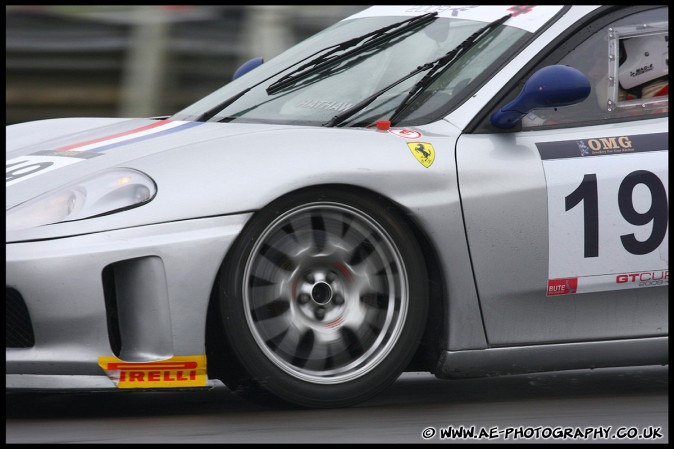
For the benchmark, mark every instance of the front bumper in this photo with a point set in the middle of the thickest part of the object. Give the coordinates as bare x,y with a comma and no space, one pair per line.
164,275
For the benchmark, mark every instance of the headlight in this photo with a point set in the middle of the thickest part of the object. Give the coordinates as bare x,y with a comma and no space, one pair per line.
104,193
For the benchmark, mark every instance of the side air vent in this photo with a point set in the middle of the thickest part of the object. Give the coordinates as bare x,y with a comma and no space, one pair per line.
18,326
137,306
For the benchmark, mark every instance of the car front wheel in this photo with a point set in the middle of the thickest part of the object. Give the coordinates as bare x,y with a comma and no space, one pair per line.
324,299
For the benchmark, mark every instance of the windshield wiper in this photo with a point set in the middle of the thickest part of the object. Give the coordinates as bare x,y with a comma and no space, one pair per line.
436,67
443,64
366,41
381,34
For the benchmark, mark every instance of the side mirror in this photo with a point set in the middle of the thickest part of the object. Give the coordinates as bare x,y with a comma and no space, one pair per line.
247,67
550,87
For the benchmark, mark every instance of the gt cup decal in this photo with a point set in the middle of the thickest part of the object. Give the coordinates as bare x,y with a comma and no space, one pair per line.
594,182
423,152
182,371
26,167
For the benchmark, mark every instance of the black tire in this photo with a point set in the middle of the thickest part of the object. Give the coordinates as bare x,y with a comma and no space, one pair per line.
323,299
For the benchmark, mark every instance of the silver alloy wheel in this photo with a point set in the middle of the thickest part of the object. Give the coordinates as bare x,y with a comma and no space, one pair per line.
325,293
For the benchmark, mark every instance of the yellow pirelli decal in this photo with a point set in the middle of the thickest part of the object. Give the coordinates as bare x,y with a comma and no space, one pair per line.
176,372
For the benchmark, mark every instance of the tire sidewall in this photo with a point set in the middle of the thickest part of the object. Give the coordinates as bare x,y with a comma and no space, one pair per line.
261,370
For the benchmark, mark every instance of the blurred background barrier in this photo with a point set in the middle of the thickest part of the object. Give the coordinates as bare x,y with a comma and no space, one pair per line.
140,61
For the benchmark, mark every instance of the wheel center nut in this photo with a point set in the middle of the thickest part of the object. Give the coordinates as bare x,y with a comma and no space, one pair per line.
321,293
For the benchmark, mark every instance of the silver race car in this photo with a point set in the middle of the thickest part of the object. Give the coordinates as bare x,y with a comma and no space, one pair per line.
466,191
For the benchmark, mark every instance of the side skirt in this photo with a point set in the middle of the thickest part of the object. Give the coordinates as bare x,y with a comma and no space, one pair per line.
552,357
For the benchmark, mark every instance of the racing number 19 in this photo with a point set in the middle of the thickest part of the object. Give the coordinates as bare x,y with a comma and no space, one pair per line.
657,213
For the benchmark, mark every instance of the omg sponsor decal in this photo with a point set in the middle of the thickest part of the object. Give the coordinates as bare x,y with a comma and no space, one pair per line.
610,145
176,372
603,146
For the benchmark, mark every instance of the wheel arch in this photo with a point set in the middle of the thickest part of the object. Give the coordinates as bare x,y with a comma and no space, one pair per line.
220,358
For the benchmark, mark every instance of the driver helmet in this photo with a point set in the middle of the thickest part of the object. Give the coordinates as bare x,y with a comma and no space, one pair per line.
642,60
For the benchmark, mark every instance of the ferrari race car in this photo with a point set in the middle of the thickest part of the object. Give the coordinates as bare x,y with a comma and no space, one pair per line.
461,190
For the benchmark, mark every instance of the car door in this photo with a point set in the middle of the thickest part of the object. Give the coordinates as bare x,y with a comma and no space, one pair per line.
567,214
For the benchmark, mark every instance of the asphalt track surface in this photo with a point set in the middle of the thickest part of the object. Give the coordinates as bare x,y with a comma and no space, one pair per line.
583,404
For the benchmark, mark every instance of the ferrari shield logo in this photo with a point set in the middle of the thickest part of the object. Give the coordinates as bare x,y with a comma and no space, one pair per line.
424,152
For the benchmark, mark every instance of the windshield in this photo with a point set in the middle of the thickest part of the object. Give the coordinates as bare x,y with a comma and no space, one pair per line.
316,99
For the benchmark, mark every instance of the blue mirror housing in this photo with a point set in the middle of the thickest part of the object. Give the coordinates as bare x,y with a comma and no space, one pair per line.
247,67
550,87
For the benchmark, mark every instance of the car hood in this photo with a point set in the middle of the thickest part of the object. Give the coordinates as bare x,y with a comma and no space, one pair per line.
76,148
212,169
